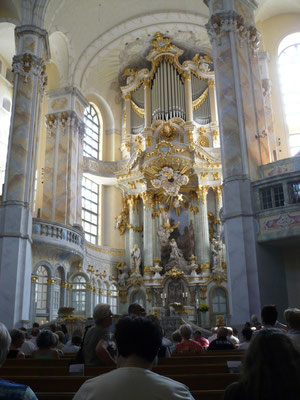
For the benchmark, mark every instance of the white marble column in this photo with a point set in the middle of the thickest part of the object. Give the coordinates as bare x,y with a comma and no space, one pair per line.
148,231
234,39
218,204
202,247
213,102
15,214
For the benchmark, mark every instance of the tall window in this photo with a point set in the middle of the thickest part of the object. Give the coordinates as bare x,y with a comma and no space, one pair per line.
92,133
90,197
79,293
42,288
114,299
219,301
289,66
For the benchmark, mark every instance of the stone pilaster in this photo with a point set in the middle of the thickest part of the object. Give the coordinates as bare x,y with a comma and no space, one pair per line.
148,231
244,144
15,214
64,159
218,204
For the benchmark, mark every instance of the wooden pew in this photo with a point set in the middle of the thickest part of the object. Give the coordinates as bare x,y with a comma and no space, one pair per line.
94,371
48,384
203,359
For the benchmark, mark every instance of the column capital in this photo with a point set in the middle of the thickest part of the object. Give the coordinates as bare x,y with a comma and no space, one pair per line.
218,192
202,192
28,65
64,120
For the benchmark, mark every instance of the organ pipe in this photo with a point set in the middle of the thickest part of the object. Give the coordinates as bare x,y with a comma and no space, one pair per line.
167,93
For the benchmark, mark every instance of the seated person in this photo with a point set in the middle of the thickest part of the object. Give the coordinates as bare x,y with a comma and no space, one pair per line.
230,336
270,369
73,347
292,317
187,346
10,390
247,335
17,339
221,343
61,338
97,347
177,338
138,340
46,341
200,339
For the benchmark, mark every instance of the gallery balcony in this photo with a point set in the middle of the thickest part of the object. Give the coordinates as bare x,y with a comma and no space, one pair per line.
277,201
58,236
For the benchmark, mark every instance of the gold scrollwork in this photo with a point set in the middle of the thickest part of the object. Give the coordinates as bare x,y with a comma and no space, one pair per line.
135,228
123,295
138,110
34,278
200,100
175,273
51,281
168,131
202,192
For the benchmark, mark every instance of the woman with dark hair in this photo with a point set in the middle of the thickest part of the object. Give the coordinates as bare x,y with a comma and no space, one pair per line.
46,341
270,369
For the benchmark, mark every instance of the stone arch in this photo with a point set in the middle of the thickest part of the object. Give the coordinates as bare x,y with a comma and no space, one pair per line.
45,264
130,28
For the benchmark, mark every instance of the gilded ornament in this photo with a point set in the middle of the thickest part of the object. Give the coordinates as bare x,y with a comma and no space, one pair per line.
138,110
203,292
175,273
168,131
216,176
202,192
200,100
149,295
34,278
218,192
51,281
190,135
127,97
203,141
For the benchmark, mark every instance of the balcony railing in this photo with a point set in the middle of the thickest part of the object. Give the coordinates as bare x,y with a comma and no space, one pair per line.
53,233
277,200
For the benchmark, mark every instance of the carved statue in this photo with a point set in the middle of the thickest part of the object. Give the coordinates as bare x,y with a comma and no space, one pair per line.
216,251
121,222
176,257
136,259
123,274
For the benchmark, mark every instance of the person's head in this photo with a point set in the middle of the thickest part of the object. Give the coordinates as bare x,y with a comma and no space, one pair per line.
186,331
222,332
271,367
269,314
17,337
176,337
35,331
35,325
103,315
292,317
53,327
64,329
5,341
46,340
61,336
139,337
197,334
214,330
76,340
136,309
247,333
247,325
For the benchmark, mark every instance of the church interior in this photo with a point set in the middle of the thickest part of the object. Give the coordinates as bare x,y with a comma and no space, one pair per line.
150,154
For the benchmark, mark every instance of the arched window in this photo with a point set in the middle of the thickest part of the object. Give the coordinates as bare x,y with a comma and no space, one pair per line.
41,288
219,301
104,294
79,294
113,299
92,133
289,66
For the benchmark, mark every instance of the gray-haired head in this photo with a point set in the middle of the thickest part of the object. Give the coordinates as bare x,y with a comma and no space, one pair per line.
186,331
101,311
5,341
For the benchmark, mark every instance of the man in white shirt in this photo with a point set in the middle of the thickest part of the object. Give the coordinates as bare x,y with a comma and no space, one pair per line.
138,340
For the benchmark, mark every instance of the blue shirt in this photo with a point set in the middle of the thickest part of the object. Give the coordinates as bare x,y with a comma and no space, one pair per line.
15,391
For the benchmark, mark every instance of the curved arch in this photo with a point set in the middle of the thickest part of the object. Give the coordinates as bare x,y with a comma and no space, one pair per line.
133,27
104,108
55,268
83,274
45,264
60,55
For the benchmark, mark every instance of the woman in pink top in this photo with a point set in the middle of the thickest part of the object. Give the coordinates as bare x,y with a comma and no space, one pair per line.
187,346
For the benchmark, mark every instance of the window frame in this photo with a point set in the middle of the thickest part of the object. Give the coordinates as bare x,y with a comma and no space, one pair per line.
92,133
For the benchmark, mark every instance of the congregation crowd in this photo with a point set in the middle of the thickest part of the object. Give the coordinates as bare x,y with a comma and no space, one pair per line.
271,366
